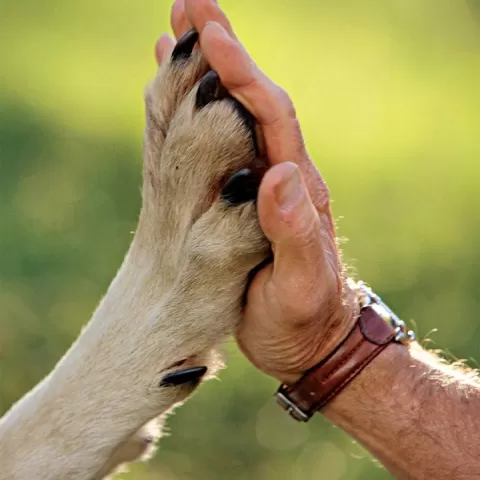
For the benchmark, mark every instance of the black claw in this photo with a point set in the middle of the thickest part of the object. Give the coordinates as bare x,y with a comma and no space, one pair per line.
241,187
210,89
189,375
184,47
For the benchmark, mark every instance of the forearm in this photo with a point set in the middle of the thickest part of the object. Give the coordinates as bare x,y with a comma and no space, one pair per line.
418,416
80,419
98,395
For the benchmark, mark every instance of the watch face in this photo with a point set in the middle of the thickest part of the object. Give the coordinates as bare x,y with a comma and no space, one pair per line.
367,297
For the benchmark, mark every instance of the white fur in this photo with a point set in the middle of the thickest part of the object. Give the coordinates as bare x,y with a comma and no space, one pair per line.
177,294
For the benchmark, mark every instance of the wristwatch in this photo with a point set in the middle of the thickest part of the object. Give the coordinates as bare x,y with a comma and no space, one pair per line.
376,327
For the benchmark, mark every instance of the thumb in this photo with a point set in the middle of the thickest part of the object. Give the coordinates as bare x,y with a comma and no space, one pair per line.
291,222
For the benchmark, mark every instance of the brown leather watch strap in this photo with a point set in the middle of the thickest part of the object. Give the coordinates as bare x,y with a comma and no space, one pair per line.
370,335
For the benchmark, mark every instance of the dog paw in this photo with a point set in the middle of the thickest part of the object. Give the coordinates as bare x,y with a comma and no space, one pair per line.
174,80
202,168
198,236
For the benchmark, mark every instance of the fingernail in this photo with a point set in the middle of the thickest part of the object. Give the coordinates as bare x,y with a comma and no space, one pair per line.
290,189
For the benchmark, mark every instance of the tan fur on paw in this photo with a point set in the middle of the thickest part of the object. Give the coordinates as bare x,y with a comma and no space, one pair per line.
176,296
198,235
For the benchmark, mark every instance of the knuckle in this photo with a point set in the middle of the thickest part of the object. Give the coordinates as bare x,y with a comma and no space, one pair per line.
322,194
307,240
283,98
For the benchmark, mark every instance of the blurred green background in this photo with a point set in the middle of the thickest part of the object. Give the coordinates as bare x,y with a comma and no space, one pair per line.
388,93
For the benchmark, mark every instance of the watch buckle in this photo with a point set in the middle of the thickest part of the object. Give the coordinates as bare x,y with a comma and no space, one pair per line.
291,408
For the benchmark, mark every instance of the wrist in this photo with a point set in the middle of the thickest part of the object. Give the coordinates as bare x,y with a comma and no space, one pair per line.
373,386
376,328
341,323
327,333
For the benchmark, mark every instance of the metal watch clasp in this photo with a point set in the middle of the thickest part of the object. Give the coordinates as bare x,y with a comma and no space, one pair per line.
290,407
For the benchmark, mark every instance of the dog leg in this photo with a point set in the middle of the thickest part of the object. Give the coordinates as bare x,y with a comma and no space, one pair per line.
178,293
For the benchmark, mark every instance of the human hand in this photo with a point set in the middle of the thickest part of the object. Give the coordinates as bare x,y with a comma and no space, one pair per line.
299,308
